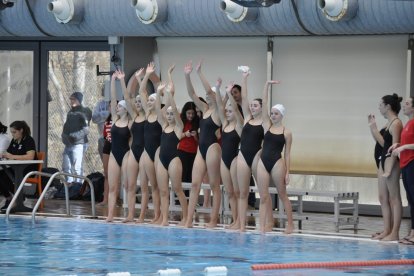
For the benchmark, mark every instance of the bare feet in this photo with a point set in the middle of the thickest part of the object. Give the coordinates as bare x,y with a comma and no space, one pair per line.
268,227
289,229
140,220
182,223
211,225
188,224
127,220
102,204
390,237
109,220
164,223
380,236
156,220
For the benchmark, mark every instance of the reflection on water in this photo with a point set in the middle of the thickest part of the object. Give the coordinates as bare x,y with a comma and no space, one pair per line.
58,246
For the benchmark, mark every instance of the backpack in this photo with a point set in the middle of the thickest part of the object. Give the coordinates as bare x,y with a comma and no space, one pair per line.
74,191
55,183
98,181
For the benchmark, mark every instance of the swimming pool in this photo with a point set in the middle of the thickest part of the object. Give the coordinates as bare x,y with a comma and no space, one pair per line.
71,246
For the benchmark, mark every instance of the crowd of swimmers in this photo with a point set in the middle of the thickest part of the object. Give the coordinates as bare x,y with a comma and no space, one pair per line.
147,137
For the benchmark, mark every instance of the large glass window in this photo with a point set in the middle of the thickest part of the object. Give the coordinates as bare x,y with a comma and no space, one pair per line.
69,72
16,90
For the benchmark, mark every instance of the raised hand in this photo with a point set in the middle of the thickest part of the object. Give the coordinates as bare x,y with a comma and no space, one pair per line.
273,82
198,67
161,87
219,82
114,75
246,74
188,68
171,69
139,73
371,120
229,86
150,68
120,75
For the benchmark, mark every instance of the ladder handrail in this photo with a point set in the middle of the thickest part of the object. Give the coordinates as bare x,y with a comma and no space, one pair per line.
52,177
18,191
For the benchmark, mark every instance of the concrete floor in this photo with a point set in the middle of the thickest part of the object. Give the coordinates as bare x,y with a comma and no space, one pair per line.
319,224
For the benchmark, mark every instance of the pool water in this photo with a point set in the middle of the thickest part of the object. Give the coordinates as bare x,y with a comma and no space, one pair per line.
71,246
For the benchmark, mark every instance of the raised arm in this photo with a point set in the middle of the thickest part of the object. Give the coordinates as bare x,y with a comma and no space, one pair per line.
245,100
170,85
113,97
179,125
188,68
203,79
236,111
265,101
220,105
142,88
374,130
129,104
158,109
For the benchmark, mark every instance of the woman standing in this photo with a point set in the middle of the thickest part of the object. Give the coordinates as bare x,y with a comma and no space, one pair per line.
232,125
272,166
134,108
187,148
106,151
209,151
152,140
250,146
120,135
170,167
406,152
389,171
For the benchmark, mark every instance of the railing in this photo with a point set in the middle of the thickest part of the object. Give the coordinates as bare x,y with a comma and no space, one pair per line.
52,177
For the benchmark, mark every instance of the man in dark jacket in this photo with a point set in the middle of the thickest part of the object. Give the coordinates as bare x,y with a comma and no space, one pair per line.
75,136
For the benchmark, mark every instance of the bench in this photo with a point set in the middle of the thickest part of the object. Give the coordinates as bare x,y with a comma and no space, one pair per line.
339,218
339,198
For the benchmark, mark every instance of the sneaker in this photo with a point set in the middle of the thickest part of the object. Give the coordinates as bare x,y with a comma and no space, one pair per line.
4,208
21,209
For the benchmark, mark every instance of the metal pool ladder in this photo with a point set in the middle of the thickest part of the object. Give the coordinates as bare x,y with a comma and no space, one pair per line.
52,177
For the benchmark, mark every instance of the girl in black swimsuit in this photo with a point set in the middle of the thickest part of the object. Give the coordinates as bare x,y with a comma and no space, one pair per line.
389,170
250,145
120,135
170,167
134,107
152,140
272,166
232,124
209,151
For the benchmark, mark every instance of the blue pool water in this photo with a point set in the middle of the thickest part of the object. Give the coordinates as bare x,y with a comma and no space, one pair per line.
69,246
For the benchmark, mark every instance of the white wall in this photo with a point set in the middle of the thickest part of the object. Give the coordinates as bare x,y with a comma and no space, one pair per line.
328,86
221,58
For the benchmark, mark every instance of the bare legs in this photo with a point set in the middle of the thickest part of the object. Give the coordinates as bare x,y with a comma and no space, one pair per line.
226,176
105,160
390,200
212,165
243,180
132,175
149,170
114,175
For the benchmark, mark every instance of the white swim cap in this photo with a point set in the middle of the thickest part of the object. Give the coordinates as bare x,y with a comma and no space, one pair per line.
281,108
122,103
153,95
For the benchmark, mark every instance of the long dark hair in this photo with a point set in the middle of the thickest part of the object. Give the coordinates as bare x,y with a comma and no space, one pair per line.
3,128
196,121
394,101
19,125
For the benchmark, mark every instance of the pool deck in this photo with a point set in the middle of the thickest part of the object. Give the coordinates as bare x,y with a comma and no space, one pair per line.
79,209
